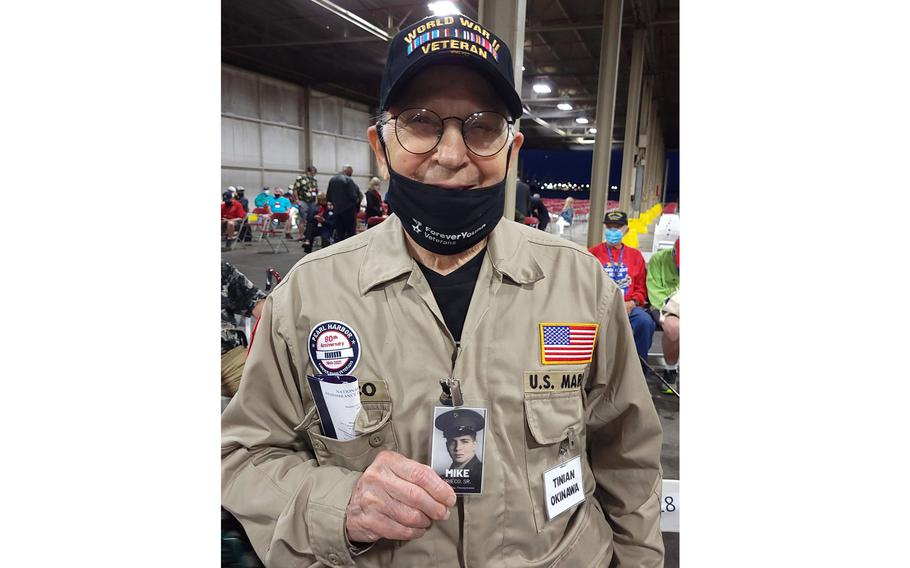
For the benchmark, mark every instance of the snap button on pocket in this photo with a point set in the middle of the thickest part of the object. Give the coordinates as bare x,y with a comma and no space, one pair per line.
333,558
319,445
376,440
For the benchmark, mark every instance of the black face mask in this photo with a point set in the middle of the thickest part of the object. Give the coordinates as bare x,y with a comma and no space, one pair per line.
446,221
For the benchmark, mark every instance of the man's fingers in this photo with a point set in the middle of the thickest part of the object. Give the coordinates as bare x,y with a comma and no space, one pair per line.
425,477
406,515
391,529
415,497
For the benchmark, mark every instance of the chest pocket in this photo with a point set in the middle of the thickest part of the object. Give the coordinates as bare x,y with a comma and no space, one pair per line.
555,434
374,433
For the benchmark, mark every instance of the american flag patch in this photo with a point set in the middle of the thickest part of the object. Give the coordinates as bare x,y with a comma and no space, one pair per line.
567,343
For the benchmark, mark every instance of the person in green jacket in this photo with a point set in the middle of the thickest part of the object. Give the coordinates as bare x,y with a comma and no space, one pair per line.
663,294
663,275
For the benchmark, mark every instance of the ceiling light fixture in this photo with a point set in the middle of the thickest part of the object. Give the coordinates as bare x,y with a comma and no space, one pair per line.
581,120
564,106
443,8
353,18
542,88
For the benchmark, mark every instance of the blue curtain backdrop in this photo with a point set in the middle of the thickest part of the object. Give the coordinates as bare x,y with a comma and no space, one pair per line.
574,166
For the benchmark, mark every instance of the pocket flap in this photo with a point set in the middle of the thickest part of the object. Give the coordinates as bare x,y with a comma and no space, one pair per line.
550,415
355,454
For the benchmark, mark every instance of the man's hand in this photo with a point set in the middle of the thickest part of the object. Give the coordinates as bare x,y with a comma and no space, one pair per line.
396,498
630,305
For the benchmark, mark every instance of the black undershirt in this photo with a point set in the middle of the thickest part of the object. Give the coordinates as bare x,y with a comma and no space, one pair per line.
453,292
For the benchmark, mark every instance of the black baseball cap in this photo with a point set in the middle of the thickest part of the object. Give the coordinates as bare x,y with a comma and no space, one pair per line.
616,218
452,40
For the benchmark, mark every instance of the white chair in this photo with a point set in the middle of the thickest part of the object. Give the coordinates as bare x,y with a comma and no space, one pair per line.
666,233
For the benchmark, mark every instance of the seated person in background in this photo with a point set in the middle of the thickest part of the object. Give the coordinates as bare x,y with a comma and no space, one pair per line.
232,215
669,320
241,197
374,199
239,298
626,266
262,200
539,210
663,275
566,215
322,219
281,209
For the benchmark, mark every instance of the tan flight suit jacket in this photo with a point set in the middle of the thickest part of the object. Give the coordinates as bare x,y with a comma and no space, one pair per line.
289,485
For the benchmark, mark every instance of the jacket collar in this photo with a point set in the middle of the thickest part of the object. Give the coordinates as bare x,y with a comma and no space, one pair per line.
387,255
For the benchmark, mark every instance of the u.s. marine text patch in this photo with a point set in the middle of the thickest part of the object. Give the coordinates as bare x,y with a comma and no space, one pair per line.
567,343
555,380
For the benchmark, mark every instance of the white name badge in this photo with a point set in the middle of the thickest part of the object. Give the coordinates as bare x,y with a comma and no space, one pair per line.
669,506
563,487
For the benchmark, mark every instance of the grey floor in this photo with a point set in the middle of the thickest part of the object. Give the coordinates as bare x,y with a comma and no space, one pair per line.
249,259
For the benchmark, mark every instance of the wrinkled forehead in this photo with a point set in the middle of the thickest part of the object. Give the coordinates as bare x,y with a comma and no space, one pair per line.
449,90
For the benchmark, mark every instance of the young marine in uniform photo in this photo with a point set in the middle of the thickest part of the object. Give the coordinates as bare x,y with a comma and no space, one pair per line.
459,430
523,328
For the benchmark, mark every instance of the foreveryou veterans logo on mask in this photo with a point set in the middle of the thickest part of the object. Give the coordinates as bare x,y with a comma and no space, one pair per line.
443,238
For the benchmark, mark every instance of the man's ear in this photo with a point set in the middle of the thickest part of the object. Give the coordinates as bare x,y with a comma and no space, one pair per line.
373,136
517,141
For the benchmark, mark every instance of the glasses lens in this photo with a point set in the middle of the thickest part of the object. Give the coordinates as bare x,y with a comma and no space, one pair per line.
418,130
485,133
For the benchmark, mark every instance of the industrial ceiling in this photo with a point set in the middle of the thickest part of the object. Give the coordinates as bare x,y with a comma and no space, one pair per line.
306,42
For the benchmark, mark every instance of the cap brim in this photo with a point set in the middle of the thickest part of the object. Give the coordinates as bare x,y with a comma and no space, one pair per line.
500,84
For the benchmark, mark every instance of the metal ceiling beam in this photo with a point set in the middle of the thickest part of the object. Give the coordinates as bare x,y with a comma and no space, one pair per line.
353,18
359,39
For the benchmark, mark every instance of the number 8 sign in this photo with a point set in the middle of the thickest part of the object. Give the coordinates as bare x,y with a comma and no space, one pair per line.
669,506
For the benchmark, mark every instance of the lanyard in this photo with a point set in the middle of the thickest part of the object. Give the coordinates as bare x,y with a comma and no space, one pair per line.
622,249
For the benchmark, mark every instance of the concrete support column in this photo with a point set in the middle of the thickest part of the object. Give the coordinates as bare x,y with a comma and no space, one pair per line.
506,18
606,106
631,133
642,144
307,129
650,154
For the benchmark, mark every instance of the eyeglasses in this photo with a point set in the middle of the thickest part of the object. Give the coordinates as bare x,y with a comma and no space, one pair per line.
419,131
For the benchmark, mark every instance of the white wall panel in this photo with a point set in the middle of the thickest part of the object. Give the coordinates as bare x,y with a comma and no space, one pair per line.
280,102
324,153
280,147
239,142
278,179
355,153
354,122
238,92
324,113
248,179
272,155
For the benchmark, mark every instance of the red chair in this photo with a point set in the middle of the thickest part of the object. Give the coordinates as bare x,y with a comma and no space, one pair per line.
377,219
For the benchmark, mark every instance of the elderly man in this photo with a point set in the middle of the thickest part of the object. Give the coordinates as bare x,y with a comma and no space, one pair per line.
447,304
345,197
626,266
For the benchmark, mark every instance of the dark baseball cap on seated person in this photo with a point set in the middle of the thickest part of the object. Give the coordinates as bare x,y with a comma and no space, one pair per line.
452,40
615,218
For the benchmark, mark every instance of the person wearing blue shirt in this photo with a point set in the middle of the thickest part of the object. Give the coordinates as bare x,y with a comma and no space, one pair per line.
281,207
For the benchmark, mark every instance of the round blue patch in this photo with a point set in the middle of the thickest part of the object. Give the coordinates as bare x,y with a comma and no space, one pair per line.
334,348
